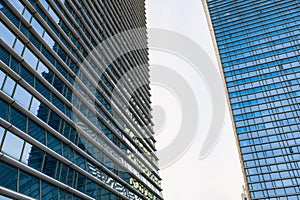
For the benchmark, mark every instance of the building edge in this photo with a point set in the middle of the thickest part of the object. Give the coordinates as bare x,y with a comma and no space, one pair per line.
217,54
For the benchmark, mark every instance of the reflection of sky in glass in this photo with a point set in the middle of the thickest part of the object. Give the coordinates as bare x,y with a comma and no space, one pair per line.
42,68
26,153
2,75
12,145
3,197
35,106
18,5
30,58
45,4
19,47
1,133
53,15
22,96
27,15
48,40
6,35
9,86
37,27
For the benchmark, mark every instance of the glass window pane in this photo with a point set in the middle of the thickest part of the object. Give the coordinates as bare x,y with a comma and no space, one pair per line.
12,145
36,158
18,5
37,27
9,86
6,35
8,176
91,188
2,76
53,15
27,15
26,153
62,194
18,119
29,185
4,198
35,131
26,75
48,40
42,69
3,110
19,46
49,191
81,182
1,134
45,4
35,105
30,58
54,143
22,96
50,166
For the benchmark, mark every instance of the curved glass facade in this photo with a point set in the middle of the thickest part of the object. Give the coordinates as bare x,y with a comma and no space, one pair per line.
258,44
68,131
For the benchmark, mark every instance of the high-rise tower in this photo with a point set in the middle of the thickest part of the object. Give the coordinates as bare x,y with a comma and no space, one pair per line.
258,48
75,119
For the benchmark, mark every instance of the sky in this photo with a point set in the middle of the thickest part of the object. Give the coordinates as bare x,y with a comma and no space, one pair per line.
219,175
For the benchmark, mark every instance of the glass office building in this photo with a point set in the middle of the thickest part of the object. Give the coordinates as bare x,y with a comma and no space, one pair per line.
258,47
64,135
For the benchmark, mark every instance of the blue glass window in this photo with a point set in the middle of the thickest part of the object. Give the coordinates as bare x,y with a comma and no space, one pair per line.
8,176
29,185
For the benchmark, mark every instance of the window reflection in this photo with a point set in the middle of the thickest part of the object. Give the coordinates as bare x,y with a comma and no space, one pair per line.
18,5
18,47
22,96
37,27
17,119
36,158
1,134
3,197
6,35
8,176
49,191
35,105
9,86
26,15
50,165
29,185
53,15
48,39
26,153
30,58
42,69
12,145
2,76
45,4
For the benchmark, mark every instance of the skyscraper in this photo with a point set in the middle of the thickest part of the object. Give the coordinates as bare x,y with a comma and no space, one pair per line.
257,45
75,119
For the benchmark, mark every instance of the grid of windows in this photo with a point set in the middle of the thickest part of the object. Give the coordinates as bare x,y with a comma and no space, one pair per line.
258,43
83,151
